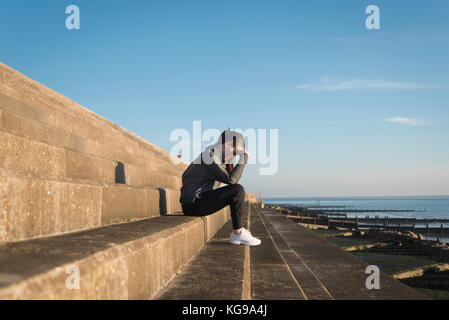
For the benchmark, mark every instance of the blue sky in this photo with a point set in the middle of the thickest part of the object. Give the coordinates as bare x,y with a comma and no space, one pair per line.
359,112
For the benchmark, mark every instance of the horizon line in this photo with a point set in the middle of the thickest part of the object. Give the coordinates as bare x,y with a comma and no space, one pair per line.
422,195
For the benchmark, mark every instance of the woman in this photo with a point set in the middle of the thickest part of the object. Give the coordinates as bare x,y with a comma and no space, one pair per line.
200,192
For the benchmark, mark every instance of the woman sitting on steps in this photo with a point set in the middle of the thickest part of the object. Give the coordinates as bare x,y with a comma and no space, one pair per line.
200,194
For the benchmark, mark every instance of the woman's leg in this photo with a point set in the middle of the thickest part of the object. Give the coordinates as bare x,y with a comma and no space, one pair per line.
213,200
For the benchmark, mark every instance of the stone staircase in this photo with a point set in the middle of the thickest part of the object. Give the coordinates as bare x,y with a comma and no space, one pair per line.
78,192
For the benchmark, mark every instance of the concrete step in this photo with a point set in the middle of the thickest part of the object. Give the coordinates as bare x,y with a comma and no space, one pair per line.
16,121
21,94
125,261
31,146
339,274
35,206
28,121
223,271
24,155
219,271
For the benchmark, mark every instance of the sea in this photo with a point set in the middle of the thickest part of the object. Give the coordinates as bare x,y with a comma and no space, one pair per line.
431,207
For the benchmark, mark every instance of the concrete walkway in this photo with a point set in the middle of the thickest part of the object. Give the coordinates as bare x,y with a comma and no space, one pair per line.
291,263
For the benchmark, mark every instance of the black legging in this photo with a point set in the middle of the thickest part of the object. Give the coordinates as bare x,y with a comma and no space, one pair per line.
213,200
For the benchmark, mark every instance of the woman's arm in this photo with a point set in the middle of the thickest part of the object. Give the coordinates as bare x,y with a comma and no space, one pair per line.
224,176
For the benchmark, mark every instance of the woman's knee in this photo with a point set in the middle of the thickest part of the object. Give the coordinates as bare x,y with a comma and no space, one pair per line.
239,189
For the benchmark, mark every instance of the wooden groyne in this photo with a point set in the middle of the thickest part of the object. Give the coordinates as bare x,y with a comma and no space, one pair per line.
335,219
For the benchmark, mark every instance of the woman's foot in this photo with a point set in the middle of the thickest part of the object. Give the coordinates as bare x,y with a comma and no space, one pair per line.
244,237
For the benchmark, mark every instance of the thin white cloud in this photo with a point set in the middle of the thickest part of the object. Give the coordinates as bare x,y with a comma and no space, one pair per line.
408,121
329,84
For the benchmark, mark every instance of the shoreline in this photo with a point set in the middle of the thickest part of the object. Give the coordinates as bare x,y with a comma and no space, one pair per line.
417,262
426,215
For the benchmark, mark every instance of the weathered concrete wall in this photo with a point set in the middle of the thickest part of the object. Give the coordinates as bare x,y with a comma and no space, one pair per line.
77,190
64,168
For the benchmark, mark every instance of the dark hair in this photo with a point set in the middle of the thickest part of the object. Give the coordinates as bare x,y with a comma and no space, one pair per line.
237,138
227,135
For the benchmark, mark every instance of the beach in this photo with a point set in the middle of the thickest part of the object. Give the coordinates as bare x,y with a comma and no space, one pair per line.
403,255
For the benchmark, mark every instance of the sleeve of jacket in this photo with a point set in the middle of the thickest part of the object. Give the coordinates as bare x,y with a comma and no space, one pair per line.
224,176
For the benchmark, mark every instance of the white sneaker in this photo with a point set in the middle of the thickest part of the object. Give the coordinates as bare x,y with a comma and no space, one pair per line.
244,237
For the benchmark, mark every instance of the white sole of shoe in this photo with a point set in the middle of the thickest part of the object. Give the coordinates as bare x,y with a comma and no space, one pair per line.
244,243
